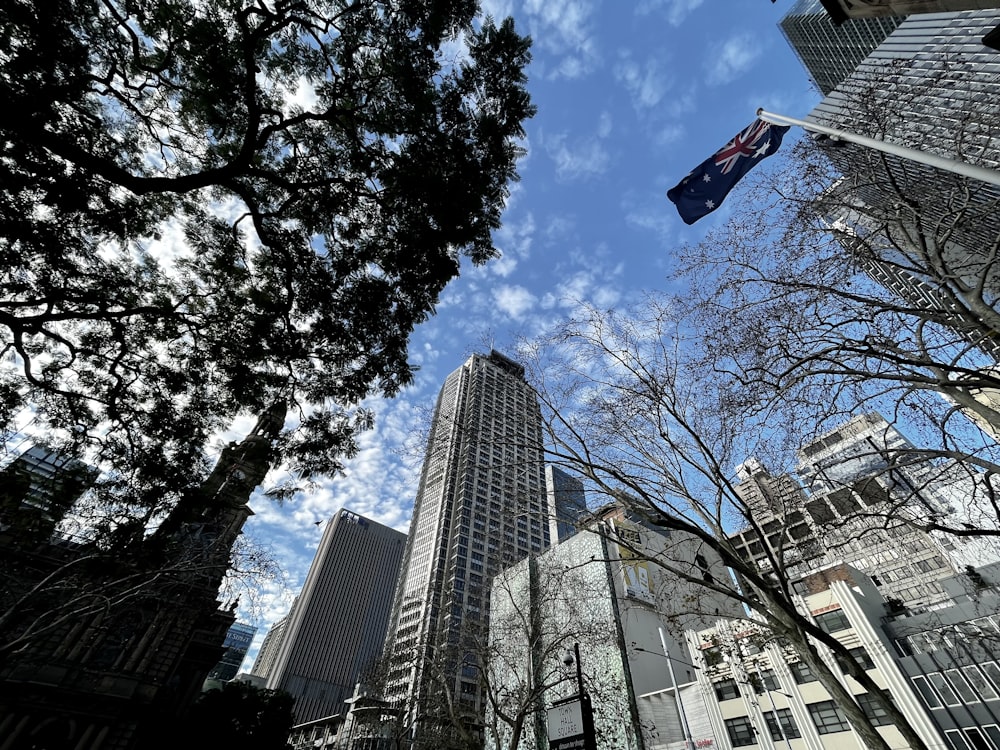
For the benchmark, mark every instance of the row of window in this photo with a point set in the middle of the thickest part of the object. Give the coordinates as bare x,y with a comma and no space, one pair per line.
930,641
826,716
975,738
960,685
767,680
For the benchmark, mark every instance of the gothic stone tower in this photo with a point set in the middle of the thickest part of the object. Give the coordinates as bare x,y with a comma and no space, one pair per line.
105,651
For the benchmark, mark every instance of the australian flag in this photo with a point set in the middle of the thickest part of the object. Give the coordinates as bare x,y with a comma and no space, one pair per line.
703,191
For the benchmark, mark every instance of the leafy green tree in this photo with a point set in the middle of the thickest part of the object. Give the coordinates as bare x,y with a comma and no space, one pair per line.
208,208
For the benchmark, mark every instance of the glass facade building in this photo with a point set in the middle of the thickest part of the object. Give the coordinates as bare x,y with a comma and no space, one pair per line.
830,53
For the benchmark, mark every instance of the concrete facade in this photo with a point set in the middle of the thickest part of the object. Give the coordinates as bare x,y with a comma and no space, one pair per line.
336,630
614,589
481,505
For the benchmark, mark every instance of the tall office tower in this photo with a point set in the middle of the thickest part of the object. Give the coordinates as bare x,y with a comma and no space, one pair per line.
932,86
567,501
270,647
335,632
830,53
481,505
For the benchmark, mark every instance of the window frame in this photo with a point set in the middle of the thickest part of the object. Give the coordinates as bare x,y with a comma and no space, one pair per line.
832,621
741,731
787,729
822,711
727,689
877,715
801,673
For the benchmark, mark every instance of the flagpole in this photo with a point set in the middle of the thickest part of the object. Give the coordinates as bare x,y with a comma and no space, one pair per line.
932,160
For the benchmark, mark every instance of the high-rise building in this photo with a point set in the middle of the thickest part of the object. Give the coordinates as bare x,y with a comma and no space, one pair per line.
481,505
336,628
39,487
831,52
868,492
931,85
267,655
567,500
237,643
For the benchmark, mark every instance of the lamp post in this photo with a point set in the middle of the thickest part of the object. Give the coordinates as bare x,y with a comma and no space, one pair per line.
688,739
685,727
589,736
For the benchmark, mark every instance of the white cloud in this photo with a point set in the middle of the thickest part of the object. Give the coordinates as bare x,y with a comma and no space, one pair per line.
581,158
675,11
736,57
514,240
303,97
497,9
563,29
514,300
646,83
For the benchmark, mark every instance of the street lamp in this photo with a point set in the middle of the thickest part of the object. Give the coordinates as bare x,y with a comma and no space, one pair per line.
688,739
569,659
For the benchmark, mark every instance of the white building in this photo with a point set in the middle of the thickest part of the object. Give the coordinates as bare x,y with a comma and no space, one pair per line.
939,667
614,589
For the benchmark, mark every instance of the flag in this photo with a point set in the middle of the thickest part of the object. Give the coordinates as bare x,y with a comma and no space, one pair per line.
703,191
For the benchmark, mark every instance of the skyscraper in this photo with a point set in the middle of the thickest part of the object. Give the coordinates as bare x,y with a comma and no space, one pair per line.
334,632
481,504
868,493
932,86
567,501
830,52
270,648
39,487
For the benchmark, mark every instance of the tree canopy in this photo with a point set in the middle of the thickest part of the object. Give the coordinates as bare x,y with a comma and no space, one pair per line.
209,208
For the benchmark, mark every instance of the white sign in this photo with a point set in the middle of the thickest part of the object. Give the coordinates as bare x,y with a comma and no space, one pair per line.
566,726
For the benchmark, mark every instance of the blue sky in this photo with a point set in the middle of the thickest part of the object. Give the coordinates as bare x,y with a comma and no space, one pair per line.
631,96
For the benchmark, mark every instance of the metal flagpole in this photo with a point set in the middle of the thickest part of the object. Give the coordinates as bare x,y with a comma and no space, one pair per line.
932,160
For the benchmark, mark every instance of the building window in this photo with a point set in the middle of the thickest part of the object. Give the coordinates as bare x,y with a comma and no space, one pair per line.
833,621
801,672
765,680
961,685
859,655
944,689
929,696
828,718
876,714
786,730
741,732
992,671
726,690
979,683
974,736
